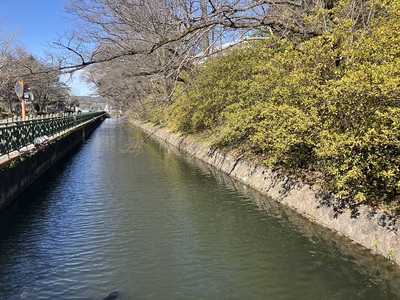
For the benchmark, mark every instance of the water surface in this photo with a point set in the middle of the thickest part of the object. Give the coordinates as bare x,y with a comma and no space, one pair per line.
154,224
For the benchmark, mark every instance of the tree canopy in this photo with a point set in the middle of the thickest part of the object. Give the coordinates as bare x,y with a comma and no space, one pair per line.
162,42
310,88
42,79
307,87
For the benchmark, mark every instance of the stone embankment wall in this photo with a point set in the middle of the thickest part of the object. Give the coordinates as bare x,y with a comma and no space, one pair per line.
20,172
373,229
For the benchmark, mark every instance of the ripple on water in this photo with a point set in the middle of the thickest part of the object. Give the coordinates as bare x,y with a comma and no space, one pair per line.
155,227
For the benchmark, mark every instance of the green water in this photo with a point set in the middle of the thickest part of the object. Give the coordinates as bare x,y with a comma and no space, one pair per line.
153,224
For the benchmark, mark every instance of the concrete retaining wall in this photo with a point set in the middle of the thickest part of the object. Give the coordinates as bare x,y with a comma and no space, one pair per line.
371,228
20,172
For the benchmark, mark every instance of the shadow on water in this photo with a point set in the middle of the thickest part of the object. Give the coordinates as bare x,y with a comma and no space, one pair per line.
34,200
20,218
380,270
35,195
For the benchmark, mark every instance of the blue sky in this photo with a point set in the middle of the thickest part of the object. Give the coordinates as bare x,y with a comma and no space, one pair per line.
37,24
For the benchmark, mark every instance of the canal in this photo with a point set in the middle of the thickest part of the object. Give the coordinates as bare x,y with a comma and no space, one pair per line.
144,220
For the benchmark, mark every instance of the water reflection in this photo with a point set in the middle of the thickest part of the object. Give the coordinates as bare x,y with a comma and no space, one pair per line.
377,269
155,224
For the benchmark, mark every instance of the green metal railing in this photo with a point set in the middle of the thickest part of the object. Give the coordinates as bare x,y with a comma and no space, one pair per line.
14,136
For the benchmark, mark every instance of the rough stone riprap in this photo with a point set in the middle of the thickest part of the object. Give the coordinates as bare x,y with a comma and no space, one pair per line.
373,229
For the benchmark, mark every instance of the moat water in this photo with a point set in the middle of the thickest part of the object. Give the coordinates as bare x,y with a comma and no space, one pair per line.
119,214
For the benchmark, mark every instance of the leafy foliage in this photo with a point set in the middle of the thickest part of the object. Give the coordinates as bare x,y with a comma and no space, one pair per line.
328,105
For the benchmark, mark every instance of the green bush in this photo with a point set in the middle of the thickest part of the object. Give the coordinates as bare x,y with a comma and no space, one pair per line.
329,105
